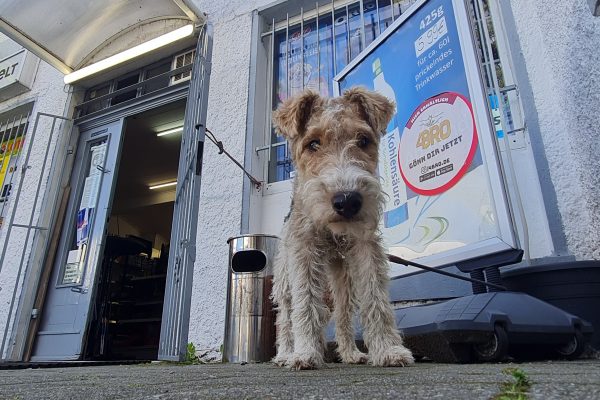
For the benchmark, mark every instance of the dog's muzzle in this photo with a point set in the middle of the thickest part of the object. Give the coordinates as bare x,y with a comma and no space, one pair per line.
347,204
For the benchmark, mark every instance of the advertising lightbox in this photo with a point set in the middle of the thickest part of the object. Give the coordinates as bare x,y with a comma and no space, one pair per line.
438,162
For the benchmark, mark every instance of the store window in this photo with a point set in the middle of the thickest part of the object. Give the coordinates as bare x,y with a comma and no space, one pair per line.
82,224
13,127
500,84
309,49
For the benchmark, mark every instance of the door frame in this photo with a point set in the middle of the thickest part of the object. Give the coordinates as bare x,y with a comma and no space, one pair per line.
160,97
182,252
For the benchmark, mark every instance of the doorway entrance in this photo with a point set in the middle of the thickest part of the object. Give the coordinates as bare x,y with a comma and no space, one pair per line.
127,310
105,300
73,306
80,306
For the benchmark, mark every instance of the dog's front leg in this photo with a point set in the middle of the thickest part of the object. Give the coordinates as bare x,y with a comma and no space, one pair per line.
282,297
310,313
344,301
381,336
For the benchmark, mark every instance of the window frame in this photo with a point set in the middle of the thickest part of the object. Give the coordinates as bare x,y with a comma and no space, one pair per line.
87,109
275,20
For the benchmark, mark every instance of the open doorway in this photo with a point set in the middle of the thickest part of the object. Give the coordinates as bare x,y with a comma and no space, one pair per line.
127,310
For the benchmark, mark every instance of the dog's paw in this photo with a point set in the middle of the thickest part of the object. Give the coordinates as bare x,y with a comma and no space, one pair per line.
395,356
306,361
354,357
282,359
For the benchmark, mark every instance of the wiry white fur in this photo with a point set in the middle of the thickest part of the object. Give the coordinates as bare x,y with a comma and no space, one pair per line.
321,251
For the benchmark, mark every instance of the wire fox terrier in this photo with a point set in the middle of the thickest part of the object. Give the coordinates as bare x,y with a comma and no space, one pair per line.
331,242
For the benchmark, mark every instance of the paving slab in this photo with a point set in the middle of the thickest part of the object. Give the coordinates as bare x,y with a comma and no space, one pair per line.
550,380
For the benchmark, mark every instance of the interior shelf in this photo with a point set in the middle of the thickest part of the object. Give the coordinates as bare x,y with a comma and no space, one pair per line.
131,307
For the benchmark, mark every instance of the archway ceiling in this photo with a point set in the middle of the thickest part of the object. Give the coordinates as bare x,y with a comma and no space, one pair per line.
65,33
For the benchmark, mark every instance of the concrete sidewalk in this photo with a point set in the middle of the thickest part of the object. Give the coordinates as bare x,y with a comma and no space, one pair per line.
550,380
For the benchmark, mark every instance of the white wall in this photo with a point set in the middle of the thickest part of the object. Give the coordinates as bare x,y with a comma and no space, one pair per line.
560,42
221,188
221,191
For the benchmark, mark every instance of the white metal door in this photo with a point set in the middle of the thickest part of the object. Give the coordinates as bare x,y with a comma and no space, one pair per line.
182,254
71,289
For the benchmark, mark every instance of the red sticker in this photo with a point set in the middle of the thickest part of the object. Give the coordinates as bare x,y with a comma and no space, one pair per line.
438,144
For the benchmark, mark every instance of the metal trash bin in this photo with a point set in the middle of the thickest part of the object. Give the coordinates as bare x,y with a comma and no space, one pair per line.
249,318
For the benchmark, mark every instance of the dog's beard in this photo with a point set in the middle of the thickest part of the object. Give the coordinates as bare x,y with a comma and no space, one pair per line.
316,194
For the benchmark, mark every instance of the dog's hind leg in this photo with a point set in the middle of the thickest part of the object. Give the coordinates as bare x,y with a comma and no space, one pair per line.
344,304
377,317
282,298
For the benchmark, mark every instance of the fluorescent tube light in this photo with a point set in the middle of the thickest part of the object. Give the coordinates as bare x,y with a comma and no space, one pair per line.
162,185
170,131
130,54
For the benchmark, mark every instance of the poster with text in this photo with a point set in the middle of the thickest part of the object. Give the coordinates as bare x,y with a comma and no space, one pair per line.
436,174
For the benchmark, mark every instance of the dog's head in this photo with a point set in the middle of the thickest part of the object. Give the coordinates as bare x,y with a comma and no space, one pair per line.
334,146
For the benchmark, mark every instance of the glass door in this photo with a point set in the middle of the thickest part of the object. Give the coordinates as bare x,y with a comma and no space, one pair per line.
71,289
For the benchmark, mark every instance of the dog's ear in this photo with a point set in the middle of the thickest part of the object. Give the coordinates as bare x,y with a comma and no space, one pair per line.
375,108
291,117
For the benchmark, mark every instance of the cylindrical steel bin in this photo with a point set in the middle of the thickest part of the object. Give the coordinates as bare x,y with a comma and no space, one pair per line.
249,318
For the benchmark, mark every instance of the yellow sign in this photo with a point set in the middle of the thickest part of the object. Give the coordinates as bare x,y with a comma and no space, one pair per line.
8,150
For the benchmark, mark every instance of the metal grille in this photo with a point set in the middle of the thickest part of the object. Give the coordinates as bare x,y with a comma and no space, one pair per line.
176,308
497,67
307,50
25,232
505,104
180,61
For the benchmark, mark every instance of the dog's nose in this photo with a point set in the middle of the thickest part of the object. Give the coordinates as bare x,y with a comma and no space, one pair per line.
347,204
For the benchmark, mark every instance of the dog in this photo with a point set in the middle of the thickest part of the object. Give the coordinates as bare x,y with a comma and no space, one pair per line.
330,240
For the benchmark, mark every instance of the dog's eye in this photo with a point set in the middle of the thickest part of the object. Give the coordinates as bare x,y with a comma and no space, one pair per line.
363,142
314,145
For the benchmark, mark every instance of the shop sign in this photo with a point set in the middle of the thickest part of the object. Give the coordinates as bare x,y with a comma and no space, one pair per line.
17,73
9,151
10,69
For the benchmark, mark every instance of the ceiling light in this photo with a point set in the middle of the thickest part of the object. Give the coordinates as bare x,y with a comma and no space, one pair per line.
170,131
162,185
130,54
